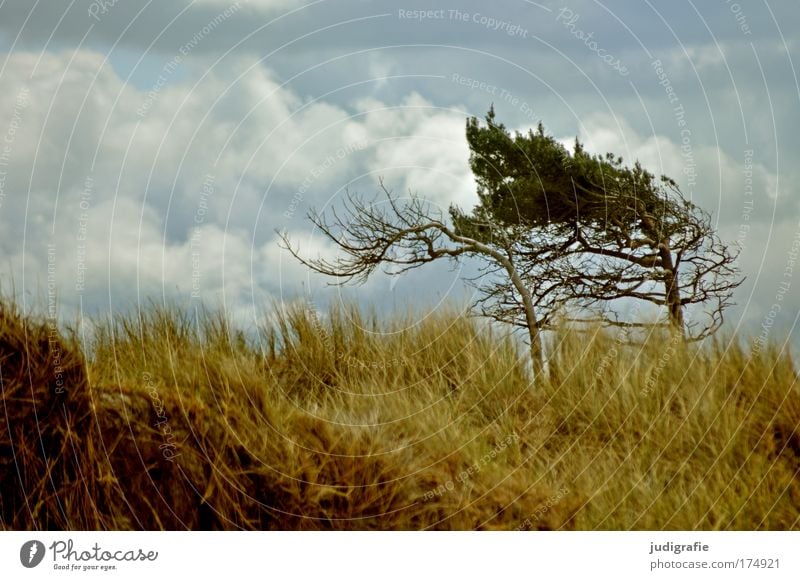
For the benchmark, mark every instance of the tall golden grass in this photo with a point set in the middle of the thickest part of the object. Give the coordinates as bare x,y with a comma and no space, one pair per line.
164,420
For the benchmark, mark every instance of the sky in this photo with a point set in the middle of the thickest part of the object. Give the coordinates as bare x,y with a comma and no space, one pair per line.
151,151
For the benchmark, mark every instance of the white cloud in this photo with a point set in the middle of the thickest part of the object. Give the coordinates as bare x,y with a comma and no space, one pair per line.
421,148
120,188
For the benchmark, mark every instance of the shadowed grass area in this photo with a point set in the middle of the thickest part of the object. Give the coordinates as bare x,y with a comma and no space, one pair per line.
345,421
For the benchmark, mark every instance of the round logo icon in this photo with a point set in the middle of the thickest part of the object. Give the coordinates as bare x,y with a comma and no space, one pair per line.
31,553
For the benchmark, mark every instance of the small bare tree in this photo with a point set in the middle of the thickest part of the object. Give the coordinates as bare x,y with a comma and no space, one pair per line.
412,233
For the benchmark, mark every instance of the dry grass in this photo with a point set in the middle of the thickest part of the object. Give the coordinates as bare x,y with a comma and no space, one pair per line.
342,421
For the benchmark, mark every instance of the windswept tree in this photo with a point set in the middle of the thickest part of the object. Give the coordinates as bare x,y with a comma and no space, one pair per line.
560,235
601,231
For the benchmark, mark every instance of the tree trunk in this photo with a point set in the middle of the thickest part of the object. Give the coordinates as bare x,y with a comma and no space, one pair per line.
536,342
672,290
530,319
674,301
527,301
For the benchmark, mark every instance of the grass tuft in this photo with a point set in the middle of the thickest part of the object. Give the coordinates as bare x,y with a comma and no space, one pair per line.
338,421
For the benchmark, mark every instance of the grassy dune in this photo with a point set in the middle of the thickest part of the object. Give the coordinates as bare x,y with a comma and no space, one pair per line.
344,421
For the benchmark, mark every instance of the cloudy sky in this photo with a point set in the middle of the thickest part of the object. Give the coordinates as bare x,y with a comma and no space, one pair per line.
152,149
